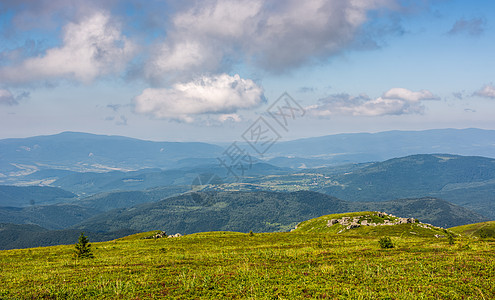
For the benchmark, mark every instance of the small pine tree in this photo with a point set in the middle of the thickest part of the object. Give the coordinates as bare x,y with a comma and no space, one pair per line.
83,249
451,239
251,233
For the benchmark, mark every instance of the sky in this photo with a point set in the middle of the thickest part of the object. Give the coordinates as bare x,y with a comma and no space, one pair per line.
211,70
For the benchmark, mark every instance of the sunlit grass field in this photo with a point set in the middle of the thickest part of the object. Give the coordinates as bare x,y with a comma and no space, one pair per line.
227,265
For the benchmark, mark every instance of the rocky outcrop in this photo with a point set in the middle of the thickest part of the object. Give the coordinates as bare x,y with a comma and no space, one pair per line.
163,234
366,220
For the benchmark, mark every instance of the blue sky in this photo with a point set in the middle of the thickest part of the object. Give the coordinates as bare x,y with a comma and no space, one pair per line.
206,70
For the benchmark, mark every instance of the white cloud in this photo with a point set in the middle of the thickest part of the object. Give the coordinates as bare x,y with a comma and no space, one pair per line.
6,98
396,101
91,48
488,91
219,94
211,36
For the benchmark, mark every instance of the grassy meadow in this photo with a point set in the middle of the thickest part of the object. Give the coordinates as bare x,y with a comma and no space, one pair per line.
229,265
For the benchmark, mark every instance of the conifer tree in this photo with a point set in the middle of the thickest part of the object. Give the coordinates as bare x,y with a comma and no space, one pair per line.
83,249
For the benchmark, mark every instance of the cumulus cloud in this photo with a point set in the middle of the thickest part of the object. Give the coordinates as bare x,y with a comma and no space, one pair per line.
488,91
472,27
275,36
396,101
91,48
219,94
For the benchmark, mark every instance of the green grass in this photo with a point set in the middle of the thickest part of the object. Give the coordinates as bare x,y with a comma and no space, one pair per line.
229,265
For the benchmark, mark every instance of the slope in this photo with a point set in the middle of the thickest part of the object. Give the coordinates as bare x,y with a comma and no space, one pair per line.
482,230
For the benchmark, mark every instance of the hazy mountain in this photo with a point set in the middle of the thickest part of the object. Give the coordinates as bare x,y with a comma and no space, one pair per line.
365,147
262,211
90,152
98,153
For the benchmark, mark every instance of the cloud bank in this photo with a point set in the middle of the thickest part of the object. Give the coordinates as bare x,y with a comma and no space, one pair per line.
396,101
220,94
211,36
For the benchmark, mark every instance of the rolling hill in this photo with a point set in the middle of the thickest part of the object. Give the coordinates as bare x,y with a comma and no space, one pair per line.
369,223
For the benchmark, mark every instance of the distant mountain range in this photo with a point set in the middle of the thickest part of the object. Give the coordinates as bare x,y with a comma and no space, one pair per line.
366,147
89,152
84,152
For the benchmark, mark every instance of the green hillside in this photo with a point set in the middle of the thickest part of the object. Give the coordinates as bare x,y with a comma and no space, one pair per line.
230,265
482,230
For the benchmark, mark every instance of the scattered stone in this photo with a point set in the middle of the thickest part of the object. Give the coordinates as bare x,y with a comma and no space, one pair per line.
175,235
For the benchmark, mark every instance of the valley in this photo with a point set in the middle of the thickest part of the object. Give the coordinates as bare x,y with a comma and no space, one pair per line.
197,195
